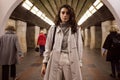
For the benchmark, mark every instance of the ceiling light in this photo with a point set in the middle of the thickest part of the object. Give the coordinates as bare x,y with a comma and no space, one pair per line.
96,2
91,8
27,4
99,5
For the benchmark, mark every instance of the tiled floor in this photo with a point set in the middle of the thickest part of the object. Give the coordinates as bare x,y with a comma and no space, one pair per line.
94,66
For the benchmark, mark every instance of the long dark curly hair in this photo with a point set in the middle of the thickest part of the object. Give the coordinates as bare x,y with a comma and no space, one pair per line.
71,21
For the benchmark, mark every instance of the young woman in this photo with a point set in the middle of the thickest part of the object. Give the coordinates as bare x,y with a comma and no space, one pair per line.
63,60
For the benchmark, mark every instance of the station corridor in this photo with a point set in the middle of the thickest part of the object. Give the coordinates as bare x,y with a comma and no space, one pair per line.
29,17
94,66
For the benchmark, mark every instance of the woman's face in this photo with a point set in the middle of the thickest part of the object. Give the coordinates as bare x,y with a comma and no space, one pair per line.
64,15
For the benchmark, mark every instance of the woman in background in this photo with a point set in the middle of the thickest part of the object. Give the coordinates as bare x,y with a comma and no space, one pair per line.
9,52
41,42
113,54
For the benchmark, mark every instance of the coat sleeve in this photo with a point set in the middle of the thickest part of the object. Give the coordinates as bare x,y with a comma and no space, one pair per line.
19,51
0,43
48,44
80,46
107,42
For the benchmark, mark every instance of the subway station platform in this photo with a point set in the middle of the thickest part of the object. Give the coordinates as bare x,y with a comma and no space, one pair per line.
94,67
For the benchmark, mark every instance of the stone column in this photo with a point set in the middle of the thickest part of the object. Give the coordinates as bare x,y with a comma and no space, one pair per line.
21,32
11,22
92,39
37,31
30,37
98,37
86,37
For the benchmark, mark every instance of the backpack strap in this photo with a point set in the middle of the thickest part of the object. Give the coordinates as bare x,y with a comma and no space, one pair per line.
53,38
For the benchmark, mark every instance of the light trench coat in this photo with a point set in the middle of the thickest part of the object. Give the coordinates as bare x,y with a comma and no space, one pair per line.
75,49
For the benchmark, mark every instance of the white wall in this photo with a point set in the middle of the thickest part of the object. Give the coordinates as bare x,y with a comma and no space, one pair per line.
6,8
114,7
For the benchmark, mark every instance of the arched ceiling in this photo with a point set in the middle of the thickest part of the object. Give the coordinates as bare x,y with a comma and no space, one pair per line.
50,7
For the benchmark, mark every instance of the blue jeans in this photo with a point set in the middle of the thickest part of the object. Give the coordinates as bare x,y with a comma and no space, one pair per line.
42,49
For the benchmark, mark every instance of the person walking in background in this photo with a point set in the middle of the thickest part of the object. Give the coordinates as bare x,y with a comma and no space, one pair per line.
41,42
112,50
64,48
9,52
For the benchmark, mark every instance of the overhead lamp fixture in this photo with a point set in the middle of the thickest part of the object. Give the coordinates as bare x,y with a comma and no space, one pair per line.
34,10
99,5
27,4
96,2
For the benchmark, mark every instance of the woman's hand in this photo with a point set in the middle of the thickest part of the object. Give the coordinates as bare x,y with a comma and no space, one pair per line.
20,58
43,69
104,52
